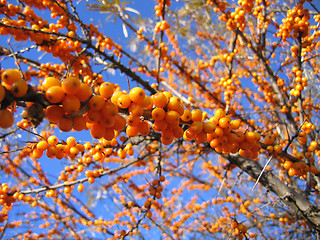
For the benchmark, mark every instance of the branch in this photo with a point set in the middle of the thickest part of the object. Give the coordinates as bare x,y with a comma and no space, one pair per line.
290,197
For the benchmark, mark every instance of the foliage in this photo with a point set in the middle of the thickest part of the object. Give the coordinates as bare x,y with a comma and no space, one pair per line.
203,122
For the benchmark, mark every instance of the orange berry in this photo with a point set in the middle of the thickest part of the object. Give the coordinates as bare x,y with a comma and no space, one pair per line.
71,141
79,123
55,94
277,148
6,118
65,124
115,96
52,140
120,123
137,95
50,82
235,124
42,145
158,114
36,153
132,131
84,92
80,187
196,127
109,109
124,101
19,88
160,126
186,116
196,115
224,122
96,102
172,116
209,127
144,128
70,85
133,120
70,104
135,109
109,134
250,137
106,90
219,113
10,76
269,139
54,113
174,103
160,100
97,130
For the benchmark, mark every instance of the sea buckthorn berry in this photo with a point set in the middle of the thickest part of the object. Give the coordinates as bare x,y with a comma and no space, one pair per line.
115,96
71,141
6,118
109,109
42,145
109,134
80,187
97,130
96,102
52,140
268,139
10,76
209,127
50,82
135,109
84,92
133,120
79,123
277,148
224,122
70,104
54,113
174,103
178,132
106,89
196,127
186,116
124,101
55,94
158,114
220,113
2,93
172,116
160,126
160,100
196,115
65,124
70,85
137,95
250,137
36,153
132,131
235,124
147,103
19,88
120,123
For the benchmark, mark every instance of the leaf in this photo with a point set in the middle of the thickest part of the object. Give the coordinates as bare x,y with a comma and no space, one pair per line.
132,10
124,29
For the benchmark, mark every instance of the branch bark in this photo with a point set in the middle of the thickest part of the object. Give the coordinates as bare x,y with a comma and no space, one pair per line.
289,196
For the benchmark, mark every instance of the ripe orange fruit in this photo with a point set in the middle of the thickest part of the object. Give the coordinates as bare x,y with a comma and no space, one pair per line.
124,101
106,90
65,124
70,104
55,94
19,88
120,123
160,100
137,95
10,76
109,110
50,82
6,118
96,102
84,92
70,85
52,140
54,113
158,114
